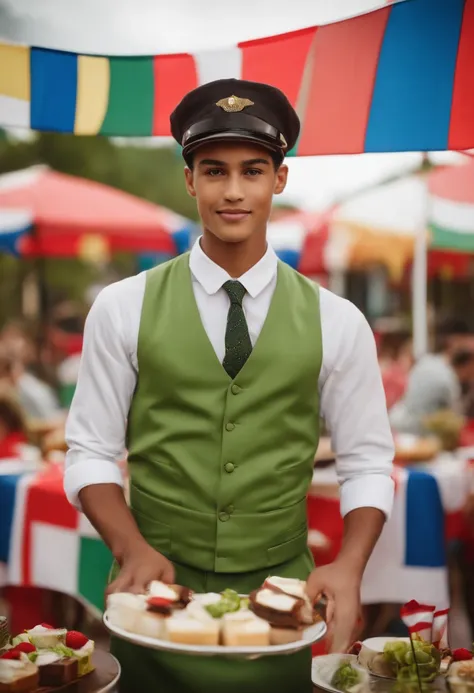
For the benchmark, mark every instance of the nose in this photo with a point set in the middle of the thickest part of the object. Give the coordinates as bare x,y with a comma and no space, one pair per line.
234,191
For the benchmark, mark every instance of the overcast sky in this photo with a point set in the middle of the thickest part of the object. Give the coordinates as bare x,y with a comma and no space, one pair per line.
162,26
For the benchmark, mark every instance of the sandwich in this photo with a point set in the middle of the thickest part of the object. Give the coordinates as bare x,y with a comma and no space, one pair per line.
17,673
186,630
245,629
65,659
124,610
133,613
281,610
461,677
164,599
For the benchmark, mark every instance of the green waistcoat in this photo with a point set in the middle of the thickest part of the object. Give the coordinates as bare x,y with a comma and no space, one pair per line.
220,468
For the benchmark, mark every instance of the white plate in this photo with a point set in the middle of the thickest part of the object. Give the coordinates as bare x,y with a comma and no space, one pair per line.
310,636
323,668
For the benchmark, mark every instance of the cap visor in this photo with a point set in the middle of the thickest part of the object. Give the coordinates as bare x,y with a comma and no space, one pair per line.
232,137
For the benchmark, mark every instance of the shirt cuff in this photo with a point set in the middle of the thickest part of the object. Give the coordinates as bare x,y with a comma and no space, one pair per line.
367,491
87,472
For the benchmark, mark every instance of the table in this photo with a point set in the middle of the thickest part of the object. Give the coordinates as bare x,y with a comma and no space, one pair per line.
409,561
44,541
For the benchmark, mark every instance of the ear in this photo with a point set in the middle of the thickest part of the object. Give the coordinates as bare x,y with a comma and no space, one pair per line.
189,178
280,180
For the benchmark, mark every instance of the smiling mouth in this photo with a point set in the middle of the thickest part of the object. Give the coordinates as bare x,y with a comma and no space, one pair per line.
233,215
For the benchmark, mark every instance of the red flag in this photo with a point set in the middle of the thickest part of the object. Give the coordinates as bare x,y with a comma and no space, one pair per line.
419,619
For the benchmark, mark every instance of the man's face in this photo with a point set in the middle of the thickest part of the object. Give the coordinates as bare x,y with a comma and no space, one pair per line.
233,185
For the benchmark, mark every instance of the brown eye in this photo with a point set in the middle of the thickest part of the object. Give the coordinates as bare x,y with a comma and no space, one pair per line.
212,172
253,172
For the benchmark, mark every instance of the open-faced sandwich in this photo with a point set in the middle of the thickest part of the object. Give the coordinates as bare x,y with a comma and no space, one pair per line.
145,614
284,604
461,677
59,656
17,673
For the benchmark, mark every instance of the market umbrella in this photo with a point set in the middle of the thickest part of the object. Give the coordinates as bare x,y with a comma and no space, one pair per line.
72,216
14,223
379,225
451,207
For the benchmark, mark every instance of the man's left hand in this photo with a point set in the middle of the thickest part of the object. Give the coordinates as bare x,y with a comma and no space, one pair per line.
340,584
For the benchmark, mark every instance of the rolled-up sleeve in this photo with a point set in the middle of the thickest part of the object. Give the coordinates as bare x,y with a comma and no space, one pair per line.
97,421
354,408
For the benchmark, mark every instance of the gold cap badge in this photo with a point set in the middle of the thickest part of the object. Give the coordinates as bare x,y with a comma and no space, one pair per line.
234,104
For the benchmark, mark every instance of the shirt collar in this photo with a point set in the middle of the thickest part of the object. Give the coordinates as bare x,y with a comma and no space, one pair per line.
212,276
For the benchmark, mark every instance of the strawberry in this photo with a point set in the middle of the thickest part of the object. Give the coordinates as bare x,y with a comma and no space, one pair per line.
75,640
25,647
11,654
47,625
461,654
159,602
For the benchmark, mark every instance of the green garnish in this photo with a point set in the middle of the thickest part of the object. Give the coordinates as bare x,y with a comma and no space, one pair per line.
345,677
228,603
399,655
62,650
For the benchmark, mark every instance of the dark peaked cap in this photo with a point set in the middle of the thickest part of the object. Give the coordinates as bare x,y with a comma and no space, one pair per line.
235,110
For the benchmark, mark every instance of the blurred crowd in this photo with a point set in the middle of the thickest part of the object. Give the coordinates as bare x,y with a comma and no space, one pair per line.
435,395
38,372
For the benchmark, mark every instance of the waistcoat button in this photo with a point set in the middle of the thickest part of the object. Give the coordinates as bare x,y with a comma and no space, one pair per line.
235,389
229,467
229,426
223,516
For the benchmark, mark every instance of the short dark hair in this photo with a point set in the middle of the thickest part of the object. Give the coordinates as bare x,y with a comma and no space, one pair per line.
276,157
462,358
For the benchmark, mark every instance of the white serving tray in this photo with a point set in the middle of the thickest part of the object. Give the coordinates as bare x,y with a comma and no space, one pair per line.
310,635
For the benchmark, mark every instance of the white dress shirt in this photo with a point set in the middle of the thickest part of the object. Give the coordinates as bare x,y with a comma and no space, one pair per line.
352,398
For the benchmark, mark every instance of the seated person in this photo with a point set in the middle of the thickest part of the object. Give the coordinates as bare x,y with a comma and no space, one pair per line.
12,425
435,382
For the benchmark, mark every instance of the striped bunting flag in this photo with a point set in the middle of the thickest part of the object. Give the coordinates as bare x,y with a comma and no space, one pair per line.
451,208
397,79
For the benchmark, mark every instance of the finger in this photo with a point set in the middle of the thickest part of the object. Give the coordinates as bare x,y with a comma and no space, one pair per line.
168,574
330,610
314,588
120,584
346,613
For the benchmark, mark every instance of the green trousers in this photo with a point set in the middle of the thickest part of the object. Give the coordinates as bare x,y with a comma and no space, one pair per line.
145,670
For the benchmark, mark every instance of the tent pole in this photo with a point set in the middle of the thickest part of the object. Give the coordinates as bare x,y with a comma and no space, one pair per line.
420,286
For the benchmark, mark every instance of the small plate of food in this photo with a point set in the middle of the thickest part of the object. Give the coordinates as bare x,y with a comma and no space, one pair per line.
392,658
338,672
278,618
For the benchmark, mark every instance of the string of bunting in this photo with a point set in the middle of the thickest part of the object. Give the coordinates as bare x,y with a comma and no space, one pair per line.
396,79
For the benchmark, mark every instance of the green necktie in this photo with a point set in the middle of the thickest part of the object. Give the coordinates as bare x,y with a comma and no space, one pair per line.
238,346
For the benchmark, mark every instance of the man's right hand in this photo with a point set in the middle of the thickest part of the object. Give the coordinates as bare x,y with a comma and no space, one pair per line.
139,567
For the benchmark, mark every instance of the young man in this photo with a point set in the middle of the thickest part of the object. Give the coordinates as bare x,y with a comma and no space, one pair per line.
214,370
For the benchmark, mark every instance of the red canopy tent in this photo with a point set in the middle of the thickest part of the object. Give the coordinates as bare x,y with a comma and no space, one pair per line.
66,211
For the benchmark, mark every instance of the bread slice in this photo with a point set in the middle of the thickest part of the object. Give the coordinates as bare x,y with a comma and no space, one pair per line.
124,610
281,610
26,684
150,624
291,586
284,636
189,631
18,675
244,629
